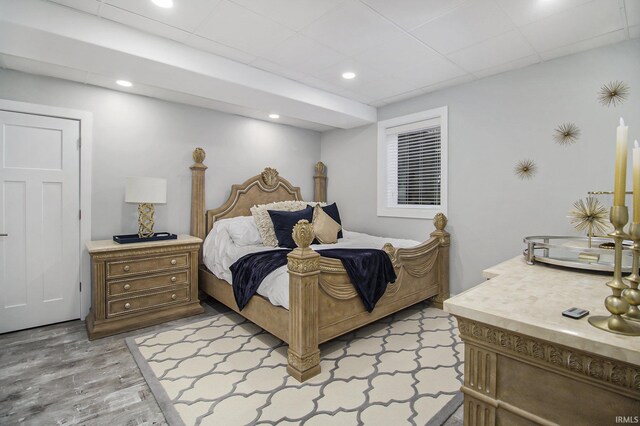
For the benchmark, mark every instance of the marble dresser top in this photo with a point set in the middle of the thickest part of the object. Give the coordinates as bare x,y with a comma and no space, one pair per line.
102,246
529,299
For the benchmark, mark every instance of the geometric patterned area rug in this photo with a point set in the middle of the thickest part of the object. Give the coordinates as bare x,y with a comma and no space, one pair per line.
402,369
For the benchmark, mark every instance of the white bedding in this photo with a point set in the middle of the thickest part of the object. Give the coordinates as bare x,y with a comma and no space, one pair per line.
220,252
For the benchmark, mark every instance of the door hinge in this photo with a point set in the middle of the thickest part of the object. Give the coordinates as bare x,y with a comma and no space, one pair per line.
80,214
79,143
80,287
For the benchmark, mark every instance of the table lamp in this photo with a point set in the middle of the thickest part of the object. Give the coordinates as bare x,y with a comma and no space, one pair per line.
145,192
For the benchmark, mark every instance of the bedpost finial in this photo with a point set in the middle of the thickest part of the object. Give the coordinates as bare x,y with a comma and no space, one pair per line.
199,155
270,177
440,221
321,168
303,233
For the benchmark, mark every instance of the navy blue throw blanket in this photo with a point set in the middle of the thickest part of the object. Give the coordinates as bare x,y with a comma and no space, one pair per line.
248,272
370,271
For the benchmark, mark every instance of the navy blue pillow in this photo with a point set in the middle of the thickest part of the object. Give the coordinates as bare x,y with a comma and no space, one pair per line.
332,211
283,223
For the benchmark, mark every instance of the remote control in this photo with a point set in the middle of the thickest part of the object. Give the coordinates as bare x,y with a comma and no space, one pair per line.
575,313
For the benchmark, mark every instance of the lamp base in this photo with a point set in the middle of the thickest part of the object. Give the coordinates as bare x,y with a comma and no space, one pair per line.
145,220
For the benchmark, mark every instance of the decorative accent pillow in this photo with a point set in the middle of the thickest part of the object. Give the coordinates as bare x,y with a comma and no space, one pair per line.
243,230
283,223
324,227
263,220
332,210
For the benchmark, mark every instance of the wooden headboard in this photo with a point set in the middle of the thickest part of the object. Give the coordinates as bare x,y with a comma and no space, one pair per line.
266,187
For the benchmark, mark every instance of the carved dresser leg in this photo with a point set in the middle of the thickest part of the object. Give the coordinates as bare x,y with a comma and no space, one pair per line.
479,386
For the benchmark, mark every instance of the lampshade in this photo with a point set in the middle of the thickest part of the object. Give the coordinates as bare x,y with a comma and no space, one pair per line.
146,190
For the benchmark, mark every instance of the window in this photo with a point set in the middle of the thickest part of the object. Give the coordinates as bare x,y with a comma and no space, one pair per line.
412,165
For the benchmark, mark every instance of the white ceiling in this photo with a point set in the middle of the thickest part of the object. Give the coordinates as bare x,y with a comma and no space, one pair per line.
398,48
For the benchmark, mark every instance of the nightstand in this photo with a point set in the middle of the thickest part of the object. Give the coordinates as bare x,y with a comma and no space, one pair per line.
141,284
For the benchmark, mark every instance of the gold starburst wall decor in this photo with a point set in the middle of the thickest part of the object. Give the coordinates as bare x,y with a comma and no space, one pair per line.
566,133
589,215
615,92
525,169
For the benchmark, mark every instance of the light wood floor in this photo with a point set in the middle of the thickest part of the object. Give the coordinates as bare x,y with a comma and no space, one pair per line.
53,375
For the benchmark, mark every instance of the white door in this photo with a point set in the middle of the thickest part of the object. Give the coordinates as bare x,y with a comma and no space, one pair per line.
39,220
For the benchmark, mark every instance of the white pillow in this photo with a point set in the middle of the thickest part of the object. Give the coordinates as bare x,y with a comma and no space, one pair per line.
263,220
242,230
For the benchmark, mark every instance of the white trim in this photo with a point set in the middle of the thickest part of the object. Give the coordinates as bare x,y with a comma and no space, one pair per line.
412,211
85,119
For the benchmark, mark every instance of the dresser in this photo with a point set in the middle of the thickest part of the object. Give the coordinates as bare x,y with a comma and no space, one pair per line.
141,284
526,364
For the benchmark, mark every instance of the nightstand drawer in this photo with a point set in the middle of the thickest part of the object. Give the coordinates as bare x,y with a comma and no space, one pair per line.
139,303
154,264
148,282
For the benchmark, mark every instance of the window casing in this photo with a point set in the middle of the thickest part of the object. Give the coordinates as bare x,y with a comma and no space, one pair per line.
412,165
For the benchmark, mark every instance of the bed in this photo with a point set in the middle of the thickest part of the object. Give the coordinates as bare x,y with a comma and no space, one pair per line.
322,301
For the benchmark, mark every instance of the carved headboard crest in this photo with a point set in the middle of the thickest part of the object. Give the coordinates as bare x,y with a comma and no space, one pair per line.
270,177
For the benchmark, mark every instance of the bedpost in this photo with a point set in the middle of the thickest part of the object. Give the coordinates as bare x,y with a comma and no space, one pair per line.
303,356
197,196
320,181
440,222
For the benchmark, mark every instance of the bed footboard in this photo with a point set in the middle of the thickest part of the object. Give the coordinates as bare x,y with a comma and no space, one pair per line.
323,303
427,261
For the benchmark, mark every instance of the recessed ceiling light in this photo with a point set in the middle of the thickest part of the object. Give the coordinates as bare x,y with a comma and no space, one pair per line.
163,3
348,75
274,116
124,83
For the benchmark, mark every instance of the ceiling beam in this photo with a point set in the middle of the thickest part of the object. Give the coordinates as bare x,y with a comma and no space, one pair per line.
51,34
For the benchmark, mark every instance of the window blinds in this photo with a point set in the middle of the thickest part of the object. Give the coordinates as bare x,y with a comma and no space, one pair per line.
414,164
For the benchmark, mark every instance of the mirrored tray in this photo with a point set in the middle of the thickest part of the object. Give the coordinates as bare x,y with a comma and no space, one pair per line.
574,252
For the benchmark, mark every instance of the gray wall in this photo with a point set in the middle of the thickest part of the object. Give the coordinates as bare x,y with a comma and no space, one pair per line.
139,136
494,123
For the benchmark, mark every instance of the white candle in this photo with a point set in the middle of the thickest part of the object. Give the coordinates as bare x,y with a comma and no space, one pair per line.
636,182
621,164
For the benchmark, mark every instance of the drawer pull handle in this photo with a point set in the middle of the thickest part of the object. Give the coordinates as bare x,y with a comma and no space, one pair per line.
127,268
173,296
174,279
127,286
127,305
173,261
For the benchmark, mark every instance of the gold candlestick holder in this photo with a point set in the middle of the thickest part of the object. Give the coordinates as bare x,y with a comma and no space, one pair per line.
632,294
616,304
